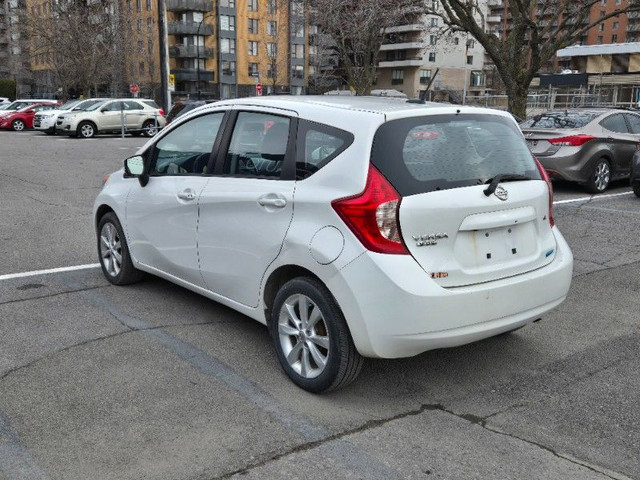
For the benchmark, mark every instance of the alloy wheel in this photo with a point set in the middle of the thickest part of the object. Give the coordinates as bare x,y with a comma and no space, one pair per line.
86,130
18,125
110,249
602,176
303,336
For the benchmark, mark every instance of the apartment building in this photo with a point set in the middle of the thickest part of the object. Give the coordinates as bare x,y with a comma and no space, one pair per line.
413,52
14,59
225,50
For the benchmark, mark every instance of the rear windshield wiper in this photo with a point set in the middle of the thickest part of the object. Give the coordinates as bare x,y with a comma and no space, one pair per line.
503,177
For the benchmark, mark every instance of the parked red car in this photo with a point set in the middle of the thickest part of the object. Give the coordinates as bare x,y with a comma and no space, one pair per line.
19,120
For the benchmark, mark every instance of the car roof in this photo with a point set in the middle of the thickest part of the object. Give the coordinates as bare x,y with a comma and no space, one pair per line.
389,107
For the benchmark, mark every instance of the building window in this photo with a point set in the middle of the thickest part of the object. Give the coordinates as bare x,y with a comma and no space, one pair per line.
614,38
139,25
601,27
456,41
272,49
433,39
253,25
253,70
228,3
271,70
272,28
469,59
228,67
397,77
298,71
148,5
600,40
470,44
477,79
227,22
227,45
272,6
152,69
253,48
150,46
425,76
614,26
297,30
432,56
434,22
297,51
253,5
149,25
297,8
139,5
141,66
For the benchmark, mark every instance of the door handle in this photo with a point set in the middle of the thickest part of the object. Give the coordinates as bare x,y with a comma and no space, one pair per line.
187,195
275,202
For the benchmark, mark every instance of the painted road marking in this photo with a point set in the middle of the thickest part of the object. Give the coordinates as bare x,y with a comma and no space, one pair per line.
592,197
33,273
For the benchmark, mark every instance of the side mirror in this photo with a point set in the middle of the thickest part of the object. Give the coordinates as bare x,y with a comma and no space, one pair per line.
30,111
103,109
134,167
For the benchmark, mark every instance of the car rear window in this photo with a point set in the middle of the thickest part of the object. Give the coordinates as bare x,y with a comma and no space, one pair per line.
439,152
559,120
151,104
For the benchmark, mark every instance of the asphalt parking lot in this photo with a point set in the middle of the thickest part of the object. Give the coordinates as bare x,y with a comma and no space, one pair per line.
152,381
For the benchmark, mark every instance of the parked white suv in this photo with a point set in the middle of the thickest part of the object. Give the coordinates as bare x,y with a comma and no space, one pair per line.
45,121
140,116
352,227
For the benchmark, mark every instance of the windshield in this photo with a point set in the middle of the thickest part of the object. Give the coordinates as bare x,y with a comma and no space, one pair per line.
19,105
555,120
87,104
69,105
438,152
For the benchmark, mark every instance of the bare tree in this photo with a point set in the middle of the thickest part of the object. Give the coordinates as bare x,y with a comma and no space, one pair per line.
533,31
80,42
357,30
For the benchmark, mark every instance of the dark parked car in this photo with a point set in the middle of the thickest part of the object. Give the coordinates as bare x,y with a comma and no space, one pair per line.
588,146
180,108
635,173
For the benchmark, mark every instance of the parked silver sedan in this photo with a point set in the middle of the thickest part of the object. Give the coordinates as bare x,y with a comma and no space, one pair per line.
588,146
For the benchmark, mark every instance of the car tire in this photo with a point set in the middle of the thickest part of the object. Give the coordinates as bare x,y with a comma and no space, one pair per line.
50,132
18,125
113,252
318,356
600,177
636,188
149,128
86,130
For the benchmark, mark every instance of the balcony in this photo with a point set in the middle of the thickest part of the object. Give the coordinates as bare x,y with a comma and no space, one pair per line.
402,46
190,51
634,27
189,28
189,5
414,27
407,62
494,19
191,75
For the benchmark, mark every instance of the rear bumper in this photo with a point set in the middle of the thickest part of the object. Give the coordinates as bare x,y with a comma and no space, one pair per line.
573,168
395,310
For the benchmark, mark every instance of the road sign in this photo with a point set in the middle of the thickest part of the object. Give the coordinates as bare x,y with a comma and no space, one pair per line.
134,88
172,82
259,89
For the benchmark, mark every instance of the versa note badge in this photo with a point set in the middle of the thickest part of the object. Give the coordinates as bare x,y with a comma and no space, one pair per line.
431,239
501,193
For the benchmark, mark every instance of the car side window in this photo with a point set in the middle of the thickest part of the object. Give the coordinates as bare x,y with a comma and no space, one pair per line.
186,149
318,144
615,123
634,123
112,107
132,106
258,145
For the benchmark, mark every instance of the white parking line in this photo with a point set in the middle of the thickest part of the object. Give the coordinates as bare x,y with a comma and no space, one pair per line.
33,273
593,197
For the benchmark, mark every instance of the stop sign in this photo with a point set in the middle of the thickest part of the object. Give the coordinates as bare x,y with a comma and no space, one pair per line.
259,89
134,88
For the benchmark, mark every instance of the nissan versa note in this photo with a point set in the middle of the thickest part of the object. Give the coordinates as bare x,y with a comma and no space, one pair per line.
352,227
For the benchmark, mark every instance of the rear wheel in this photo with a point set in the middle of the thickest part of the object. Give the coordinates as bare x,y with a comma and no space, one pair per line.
311,337
86,130
114,252
149,128
600,177
636,188
18,125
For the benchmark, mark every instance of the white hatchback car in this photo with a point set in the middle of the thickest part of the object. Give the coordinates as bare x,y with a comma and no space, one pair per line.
352,227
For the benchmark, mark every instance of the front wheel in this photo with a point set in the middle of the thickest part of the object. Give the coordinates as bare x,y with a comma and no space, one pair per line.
86,130
18,125
600,177
114,252
311,337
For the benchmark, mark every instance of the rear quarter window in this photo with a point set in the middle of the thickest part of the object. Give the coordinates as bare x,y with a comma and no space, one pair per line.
317,145
424,154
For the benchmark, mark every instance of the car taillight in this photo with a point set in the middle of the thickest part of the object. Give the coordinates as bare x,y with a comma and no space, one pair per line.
161,112
546,178
373,215
571,141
